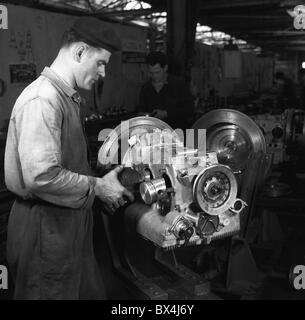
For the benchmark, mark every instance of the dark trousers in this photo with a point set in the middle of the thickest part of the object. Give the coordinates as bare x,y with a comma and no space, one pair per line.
50,252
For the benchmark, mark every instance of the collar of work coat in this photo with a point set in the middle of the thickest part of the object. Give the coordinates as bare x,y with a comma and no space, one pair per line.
61,84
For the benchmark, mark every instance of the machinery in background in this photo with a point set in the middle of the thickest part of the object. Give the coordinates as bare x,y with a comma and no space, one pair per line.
295,132
273,128
111,113
284,134
95,122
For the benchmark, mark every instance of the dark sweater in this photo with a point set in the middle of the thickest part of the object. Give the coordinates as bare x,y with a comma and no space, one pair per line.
174,97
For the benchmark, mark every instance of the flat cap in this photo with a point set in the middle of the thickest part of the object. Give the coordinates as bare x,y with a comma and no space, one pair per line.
97,34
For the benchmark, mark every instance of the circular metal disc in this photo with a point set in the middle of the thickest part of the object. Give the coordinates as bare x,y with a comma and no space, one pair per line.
118,137
215,189
232,135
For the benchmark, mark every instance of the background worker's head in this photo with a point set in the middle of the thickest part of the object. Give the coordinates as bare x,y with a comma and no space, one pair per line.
89,45
157,66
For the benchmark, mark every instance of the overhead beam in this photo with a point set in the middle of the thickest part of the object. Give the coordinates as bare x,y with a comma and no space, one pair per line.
272,32
135,13
280,42
51,7
212,5
296,48
245,16
290,3
263,33
224,20
246,35
271,38
242,27
230,21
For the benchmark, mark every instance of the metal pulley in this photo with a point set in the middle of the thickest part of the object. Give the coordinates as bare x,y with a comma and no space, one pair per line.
151,191
232,135
215,189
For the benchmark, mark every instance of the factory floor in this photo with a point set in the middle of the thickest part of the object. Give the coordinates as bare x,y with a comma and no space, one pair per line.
273,261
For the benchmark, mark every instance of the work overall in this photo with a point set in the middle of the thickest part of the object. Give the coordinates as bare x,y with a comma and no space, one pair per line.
49,245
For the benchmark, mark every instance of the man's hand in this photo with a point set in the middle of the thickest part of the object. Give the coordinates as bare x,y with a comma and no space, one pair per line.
110,190
160,114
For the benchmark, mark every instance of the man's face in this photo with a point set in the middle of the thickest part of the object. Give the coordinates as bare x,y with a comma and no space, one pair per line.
92,66
157,73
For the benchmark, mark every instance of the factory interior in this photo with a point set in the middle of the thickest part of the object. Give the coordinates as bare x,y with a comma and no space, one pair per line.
221,218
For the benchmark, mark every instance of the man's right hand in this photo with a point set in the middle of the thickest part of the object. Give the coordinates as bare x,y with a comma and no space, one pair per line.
110,190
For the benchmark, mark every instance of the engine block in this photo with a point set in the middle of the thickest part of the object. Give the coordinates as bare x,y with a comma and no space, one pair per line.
184,196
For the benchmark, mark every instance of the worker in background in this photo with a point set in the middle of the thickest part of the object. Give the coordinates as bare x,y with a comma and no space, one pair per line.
49,245
165,96
286,91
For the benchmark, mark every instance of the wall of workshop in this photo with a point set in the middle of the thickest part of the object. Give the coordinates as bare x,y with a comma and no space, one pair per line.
288,63
209,71
32,42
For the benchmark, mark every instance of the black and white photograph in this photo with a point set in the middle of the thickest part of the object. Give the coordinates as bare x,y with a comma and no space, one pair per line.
152,153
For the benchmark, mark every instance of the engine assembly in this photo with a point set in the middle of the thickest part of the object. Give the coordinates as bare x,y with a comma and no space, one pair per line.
183,195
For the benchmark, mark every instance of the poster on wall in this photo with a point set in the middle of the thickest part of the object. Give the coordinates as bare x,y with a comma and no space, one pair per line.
133,57
133,45
133,51
22,73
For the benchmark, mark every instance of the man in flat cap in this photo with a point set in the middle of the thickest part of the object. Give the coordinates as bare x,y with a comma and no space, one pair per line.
49,245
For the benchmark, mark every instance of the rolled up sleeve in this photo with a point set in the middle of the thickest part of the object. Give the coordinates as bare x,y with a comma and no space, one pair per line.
38,126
